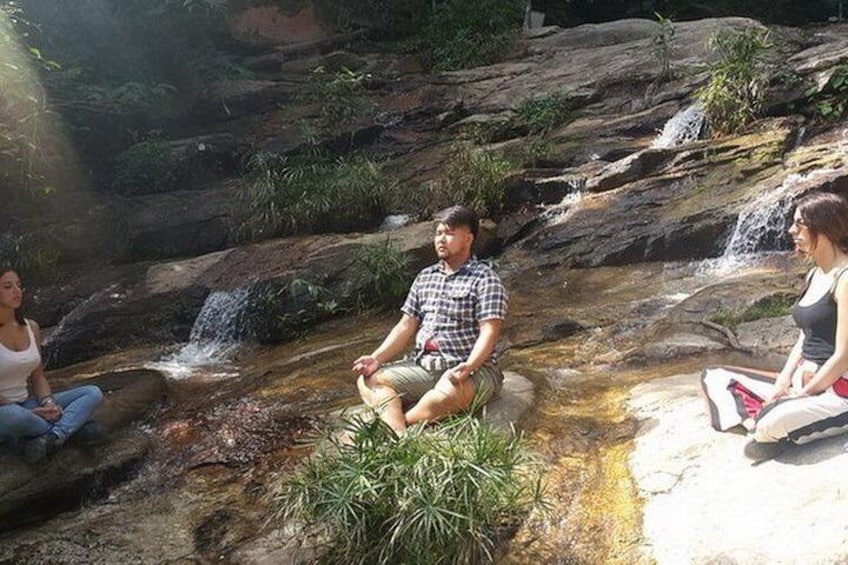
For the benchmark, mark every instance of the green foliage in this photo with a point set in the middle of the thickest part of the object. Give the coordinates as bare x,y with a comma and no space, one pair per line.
279,311
661,44
146,167
474,179
389,18
341,95
468,33
384,275
311,194
734,96
831,102
531,152
541,115
439,495
773,306
32,254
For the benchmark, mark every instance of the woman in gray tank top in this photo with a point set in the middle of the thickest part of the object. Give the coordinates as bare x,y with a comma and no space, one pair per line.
808,399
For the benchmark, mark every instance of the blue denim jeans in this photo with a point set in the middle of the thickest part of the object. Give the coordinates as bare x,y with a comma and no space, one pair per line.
18,422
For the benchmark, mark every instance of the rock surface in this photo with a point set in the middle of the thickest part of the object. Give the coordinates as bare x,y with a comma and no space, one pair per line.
704,502
73,475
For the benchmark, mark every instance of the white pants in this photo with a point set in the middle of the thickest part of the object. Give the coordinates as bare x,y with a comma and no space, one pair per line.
799,420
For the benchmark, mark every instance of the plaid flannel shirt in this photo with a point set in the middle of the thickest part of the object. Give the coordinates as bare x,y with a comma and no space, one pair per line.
449,307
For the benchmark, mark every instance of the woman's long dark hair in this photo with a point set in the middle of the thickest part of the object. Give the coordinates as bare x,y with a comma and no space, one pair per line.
826,213
19,315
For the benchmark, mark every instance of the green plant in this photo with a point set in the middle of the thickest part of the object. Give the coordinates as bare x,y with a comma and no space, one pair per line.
341,95
474,179
661,43
277,311
467,33
33,254
441,495
311,193
531,152
383,275
832,101
145,167
540,115
734,96
768,307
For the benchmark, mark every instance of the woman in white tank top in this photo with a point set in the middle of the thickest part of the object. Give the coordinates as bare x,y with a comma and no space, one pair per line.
32,419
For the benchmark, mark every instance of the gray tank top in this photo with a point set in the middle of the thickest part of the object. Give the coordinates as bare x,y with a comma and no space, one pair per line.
818,321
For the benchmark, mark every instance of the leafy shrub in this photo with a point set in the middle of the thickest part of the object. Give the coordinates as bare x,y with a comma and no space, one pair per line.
440,495
531,152
341,95
734,96
383,276
661,44
389,18
540,115
145,167
467,33
474,179
310,194
282,310
33,255
832,102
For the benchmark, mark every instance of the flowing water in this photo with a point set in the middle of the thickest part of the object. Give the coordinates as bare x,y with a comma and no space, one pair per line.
217,333
761,226
222,443
684,127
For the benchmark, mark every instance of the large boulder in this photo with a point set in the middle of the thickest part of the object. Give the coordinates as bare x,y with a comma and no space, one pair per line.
73,475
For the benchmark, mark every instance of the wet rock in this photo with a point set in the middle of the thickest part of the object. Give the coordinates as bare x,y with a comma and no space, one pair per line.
680,345
769,334
705,502
73,475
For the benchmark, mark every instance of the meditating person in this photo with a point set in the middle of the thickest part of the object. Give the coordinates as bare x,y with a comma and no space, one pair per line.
808,399
32,419
454,311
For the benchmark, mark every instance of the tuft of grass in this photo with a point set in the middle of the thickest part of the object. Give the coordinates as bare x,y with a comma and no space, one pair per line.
467,33
773,306
661,42
540,115
434,495
311,194
146,167
734,95
474,179
384,275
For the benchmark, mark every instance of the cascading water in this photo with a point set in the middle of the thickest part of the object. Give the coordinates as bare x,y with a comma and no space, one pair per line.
684,127
760,227
217,332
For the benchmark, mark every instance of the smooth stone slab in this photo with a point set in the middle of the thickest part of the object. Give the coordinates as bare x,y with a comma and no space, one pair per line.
706,503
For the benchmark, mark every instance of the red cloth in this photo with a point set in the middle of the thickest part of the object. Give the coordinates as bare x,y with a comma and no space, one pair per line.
753,403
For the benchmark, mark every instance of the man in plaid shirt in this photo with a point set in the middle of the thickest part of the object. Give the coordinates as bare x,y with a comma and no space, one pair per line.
454,310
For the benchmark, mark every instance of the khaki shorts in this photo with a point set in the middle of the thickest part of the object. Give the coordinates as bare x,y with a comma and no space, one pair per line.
412,381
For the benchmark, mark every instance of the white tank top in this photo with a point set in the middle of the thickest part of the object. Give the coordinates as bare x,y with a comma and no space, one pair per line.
15,368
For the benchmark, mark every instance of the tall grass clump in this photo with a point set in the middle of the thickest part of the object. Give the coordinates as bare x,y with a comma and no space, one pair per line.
435,495
384,275
475,179
467,33
661,42
540,115
734,95
311,194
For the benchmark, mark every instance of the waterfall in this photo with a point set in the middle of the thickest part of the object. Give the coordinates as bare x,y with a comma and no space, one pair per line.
217,332
760,227
684,127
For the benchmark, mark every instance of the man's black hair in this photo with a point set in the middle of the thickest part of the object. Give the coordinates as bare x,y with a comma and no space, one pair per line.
458,216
